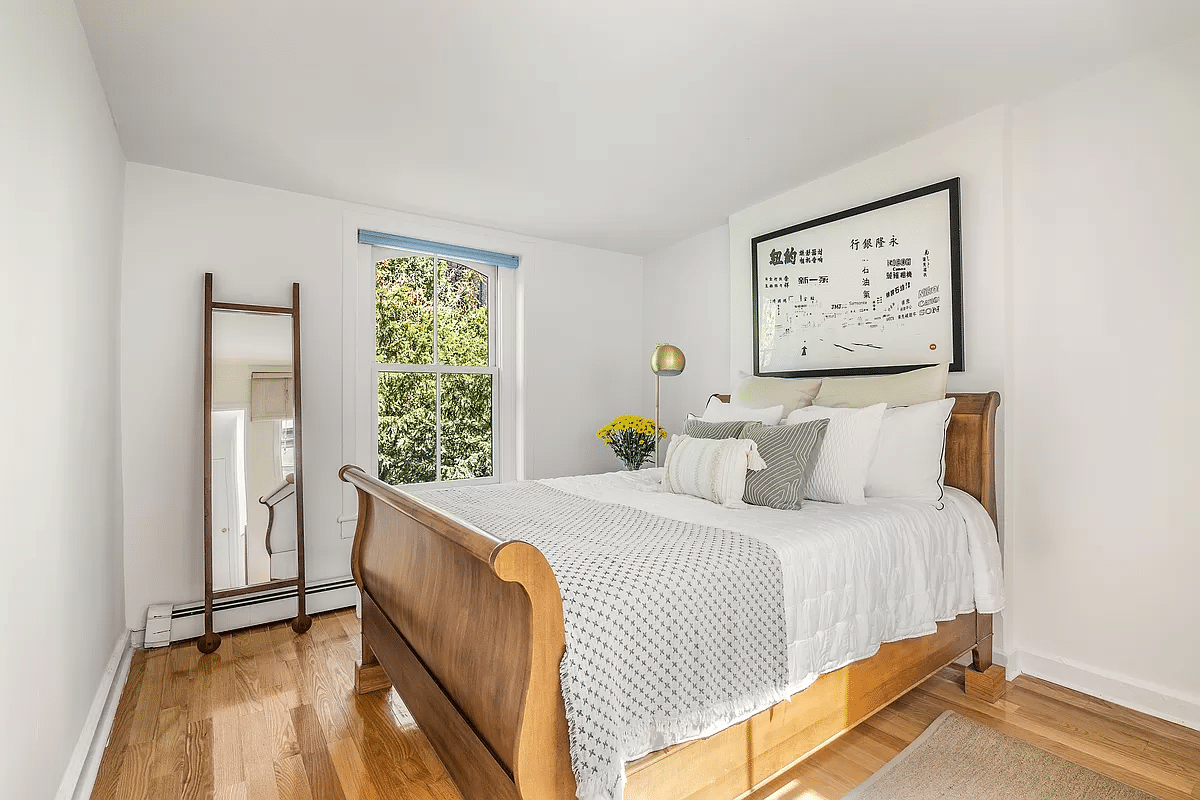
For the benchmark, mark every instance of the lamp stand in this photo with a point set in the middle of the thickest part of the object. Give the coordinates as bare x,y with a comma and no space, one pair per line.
656,436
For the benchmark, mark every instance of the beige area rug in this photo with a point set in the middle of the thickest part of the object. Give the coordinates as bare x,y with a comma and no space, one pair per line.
957,757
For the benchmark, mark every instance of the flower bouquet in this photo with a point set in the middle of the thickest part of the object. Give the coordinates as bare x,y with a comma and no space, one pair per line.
631,438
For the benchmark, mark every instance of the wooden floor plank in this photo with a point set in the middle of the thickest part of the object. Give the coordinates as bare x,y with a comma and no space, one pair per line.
314,750
272,716
197,779
169,747
134,783
351,771
166,787
227,765
149,699
291,780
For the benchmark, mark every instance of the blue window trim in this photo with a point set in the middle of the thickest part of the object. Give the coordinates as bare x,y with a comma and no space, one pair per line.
438,249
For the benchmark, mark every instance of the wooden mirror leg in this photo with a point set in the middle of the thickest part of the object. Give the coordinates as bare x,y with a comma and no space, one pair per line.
209,642
303,621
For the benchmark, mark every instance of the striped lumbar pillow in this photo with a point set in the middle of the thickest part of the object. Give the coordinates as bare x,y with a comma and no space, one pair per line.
790,452
699,429
714,469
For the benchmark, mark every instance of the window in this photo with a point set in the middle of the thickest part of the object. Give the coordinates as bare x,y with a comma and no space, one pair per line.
270,396
287,447
435,368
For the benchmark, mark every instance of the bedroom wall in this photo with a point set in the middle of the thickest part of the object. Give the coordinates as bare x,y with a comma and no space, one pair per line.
582,332
61,585
975,150
1106,178
972,149
718,263
686,290
1079,215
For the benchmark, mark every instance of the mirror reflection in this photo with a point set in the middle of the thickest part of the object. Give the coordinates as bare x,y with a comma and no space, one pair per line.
253,450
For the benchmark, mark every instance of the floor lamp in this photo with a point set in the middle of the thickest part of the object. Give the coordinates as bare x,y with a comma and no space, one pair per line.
667,360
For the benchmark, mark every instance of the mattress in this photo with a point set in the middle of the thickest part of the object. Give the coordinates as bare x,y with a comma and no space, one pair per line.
855,577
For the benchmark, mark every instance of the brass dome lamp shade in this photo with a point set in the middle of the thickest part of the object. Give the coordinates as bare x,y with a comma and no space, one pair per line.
667,360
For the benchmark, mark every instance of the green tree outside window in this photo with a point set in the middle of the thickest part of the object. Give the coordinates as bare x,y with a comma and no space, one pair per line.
405,317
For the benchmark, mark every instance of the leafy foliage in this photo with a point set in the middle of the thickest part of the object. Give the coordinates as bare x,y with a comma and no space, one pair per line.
404,321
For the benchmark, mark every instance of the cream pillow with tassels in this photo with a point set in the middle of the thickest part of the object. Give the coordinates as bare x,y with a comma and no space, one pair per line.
714,469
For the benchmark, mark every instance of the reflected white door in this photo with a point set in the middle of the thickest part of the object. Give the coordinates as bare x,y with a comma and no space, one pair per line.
223,552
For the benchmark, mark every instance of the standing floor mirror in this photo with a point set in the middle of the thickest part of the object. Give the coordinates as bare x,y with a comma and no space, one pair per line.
253,476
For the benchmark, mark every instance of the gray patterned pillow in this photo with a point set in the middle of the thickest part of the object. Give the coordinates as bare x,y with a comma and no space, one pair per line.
791,453
699,429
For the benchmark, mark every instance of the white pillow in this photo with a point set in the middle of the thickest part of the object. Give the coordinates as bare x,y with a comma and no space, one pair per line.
714,469
728,412
906,389
840,474
791,393
910,460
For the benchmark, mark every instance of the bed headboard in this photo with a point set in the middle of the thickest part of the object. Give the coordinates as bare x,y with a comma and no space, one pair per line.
970,446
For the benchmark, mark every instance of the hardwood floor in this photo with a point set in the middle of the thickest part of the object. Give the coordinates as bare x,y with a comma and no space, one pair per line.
273,715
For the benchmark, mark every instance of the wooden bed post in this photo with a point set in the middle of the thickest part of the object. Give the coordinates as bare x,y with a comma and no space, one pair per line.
984,680
369,675
975,460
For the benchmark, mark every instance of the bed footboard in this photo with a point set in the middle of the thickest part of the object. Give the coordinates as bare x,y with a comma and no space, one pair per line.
470,631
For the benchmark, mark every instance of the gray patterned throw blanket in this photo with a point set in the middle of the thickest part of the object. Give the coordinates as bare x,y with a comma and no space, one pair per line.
673,630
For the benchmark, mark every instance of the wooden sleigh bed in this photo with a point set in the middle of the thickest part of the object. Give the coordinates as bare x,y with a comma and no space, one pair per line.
469,628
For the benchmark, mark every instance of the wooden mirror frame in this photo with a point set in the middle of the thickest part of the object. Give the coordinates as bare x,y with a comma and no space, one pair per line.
211,640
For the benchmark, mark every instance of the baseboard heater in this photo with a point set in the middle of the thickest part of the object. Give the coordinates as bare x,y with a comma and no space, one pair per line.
184,610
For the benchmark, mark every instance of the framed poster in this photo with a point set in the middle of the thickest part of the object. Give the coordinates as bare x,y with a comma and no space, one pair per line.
872,290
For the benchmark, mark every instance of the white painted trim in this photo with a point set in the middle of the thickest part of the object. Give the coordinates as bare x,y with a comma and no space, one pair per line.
1149,698
81,771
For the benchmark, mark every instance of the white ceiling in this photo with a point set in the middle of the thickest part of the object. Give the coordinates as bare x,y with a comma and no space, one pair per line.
622,124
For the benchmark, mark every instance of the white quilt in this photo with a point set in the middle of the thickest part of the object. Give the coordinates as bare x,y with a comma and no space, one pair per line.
854,576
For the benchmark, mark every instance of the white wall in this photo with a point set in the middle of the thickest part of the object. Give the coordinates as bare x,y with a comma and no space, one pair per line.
972,149
581,331
1106,175
61,608
975,150
713,269
1080,214
686,290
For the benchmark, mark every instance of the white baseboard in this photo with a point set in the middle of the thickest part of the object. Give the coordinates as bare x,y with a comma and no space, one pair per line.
1158,701
81,771
188,621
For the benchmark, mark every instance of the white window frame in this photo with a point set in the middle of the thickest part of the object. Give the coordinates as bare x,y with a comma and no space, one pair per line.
512,458
378,254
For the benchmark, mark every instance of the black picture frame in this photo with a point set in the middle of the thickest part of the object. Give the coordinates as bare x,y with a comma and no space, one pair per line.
953,188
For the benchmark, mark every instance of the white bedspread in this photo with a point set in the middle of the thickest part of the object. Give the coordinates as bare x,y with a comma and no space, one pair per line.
854,576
